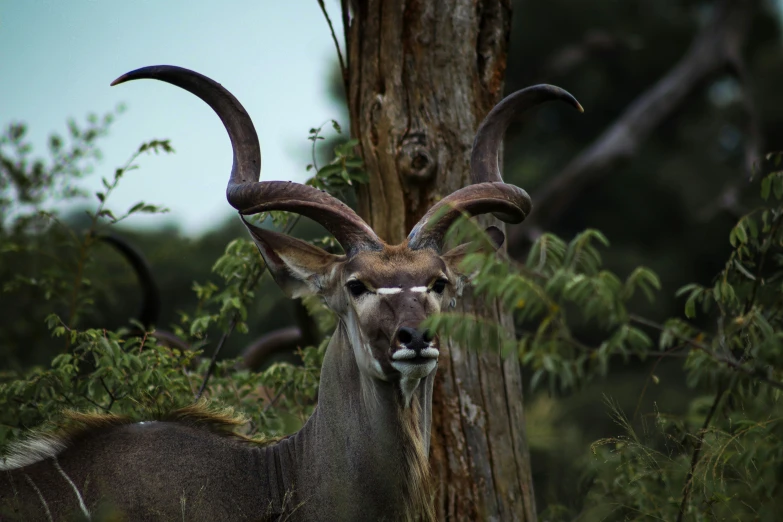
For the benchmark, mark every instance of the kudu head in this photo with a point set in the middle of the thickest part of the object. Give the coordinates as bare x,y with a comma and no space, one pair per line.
381,292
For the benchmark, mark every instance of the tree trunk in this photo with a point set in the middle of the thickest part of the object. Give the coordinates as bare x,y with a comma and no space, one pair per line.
421,76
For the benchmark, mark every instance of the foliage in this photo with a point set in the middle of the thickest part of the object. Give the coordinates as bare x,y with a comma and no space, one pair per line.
44,260
343,170
719,460
127,370
573,317
25,182
561,287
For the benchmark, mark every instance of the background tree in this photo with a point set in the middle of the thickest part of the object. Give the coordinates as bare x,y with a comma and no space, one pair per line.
420,77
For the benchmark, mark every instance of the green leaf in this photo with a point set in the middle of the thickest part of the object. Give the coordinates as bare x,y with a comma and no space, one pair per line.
690,306
766,185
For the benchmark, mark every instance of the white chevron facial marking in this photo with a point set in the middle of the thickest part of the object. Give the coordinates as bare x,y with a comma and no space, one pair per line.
418,289
388,291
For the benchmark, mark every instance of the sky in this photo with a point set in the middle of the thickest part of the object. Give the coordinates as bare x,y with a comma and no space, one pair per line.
57,59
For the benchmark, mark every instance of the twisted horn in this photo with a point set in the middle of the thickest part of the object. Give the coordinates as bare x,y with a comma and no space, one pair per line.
150,301
245,192
149,312
488,193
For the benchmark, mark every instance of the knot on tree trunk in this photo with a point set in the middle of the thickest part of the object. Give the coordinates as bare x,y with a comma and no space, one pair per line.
415,162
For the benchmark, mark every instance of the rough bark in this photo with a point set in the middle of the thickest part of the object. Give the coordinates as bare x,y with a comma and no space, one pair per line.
421,76
717,48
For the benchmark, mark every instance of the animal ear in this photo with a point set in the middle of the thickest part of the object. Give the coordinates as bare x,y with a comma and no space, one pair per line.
492,241
298,267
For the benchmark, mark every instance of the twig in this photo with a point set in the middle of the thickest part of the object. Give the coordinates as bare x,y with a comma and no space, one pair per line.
756,373
343,68
276,397
666,353
760,265
346,14
104,408
235,319
686,490
111,395
224,338
85,246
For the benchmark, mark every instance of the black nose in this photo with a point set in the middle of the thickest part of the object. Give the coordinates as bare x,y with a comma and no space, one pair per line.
413,339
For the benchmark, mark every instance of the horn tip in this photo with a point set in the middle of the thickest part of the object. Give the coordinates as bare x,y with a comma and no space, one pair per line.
119,80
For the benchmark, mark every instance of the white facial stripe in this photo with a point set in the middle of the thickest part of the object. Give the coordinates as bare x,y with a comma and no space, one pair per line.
418,289
386,291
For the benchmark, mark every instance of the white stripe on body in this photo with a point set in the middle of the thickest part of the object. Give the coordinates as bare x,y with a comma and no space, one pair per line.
75,489
40,496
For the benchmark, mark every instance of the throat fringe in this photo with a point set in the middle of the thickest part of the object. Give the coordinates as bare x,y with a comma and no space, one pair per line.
418,482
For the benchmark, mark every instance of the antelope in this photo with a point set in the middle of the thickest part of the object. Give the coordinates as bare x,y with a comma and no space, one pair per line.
362,455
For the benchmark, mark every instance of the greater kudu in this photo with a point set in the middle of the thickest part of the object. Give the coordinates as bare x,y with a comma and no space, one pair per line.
362,455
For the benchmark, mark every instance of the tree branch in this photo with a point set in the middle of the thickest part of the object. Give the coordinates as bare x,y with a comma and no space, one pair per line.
755,373
235,319
715,48
343,68
595,42
686,490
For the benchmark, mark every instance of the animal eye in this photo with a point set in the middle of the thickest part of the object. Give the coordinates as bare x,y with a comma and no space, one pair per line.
439,286
356,288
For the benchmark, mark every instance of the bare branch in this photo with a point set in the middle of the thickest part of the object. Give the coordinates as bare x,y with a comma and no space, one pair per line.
346,14
716,48
276,397
343,68
595,42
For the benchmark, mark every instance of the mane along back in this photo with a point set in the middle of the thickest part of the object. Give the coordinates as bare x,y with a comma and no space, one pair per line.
75,426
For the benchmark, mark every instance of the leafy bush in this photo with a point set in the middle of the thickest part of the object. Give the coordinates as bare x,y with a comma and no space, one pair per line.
122,371
574,320
722,459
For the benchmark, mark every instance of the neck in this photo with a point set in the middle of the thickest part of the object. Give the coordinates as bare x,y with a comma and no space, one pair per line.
364,450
